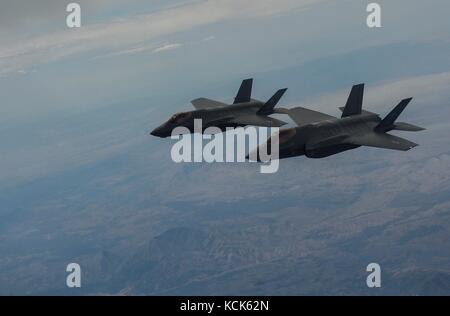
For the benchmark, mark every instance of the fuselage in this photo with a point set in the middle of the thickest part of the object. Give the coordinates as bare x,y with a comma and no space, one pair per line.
219,117
325,138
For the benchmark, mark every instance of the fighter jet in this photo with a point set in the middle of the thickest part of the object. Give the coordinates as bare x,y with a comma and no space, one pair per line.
319,135
244,111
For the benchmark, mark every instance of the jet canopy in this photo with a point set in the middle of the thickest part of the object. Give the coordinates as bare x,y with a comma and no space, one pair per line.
176,118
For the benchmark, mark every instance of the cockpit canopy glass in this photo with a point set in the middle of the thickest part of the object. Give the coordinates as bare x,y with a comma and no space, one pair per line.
178,117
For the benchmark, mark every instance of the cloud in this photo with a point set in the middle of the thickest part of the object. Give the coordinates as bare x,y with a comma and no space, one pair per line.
22,13
385,95
128,31
209,38
129,51
166,47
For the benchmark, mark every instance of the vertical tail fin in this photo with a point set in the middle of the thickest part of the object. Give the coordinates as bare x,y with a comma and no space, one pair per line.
245,92
268,107
388,123
354,101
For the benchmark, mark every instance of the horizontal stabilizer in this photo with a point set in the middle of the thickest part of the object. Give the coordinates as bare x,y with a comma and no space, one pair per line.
400,126
268,107
387,123
382,140
354,101
204,103
245,92
302,116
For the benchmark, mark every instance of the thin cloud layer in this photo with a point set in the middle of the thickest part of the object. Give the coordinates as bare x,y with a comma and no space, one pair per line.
123,32
166,47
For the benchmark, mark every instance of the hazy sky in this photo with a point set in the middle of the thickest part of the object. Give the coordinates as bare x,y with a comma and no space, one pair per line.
169,52
166,48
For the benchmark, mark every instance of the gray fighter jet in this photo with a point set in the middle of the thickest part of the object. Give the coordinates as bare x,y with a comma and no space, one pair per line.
244,111
321,135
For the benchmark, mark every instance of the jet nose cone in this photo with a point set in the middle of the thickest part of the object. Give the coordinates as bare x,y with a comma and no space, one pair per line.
158,132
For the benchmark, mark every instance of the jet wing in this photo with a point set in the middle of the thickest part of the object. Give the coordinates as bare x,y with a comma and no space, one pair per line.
204,103
302,116
382,140
258,120
334,140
